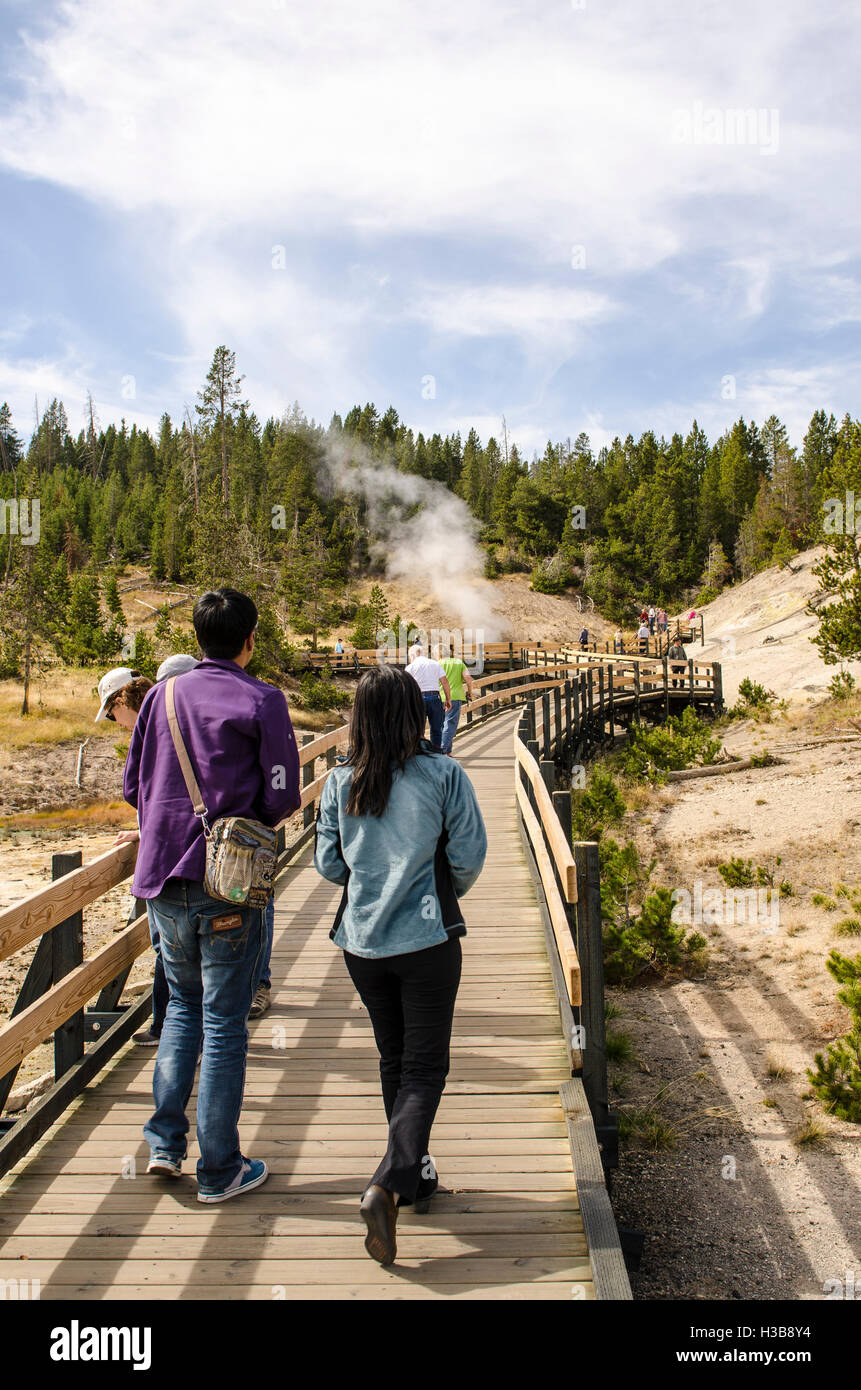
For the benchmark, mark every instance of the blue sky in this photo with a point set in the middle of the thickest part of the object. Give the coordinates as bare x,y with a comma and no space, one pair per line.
430,172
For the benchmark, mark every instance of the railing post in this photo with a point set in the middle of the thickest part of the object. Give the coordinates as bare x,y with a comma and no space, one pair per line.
666,689
567,747
690,681
548,772
559,733
307,779
545,722
590,952
590,720
717,686
637,689
602,731
611,712
331,753
67,952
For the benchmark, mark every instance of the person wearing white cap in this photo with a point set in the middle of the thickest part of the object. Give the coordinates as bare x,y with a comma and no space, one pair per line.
176,666
121,694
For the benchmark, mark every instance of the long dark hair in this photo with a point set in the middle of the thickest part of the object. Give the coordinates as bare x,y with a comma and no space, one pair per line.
386,729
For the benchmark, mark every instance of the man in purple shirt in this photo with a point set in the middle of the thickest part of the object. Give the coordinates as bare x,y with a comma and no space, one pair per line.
243,751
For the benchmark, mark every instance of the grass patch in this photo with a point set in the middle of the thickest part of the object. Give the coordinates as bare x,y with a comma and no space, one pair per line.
647,1126
848,926
776,1066
810,1135
97,815
620,1047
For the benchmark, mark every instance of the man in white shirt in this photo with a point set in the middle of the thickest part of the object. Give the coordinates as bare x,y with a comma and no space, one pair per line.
429,677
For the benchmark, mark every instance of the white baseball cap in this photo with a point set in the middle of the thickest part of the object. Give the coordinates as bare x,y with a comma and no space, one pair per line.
111,684
176,666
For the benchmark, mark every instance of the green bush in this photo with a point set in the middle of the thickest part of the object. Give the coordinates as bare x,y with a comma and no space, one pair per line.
740,873
842,685
320,691
683,740
648,941
552,575
836,1078
599,804
753,698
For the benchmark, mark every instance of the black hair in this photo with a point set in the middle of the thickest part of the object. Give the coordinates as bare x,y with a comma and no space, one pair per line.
386,729
224,619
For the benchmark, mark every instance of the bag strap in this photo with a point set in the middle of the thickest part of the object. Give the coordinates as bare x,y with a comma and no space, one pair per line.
182,753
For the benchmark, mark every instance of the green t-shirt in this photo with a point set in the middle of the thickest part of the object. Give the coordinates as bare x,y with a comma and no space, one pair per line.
454,669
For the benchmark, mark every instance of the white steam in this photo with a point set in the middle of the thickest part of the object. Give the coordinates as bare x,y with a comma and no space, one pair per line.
420,532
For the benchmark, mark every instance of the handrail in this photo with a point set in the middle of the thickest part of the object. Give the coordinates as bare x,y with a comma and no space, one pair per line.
28,1029
23,921
561,930
559,846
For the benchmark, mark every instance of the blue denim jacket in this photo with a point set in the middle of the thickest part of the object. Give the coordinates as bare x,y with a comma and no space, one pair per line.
402,870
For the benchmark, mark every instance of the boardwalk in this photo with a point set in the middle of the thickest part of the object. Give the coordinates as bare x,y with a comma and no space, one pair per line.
511,1227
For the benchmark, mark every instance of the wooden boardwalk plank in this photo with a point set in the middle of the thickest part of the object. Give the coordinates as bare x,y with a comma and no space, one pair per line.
92,1225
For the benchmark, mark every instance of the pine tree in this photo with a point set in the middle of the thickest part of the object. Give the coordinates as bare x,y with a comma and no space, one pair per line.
219,401
309,584
839,571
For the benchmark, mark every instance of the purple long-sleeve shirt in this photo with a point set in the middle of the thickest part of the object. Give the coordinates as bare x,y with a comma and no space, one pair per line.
243,750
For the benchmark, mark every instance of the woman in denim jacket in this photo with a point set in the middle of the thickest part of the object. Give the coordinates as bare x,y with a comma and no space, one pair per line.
400,827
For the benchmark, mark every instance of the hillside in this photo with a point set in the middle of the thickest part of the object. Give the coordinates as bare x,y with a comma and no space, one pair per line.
761,629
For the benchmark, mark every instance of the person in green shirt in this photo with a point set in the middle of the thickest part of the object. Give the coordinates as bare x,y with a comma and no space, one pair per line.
462,689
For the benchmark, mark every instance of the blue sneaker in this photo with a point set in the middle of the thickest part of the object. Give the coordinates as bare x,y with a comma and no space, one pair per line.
252,1173
165,1164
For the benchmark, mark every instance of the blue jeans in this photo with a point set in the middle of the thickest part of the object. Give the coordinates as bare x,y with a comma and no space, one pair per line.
160,992
265,977
211,973
435,713
450,723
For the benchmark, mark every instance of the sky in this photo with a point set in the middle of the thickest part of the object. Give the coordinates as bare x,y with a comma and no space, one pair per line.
602,216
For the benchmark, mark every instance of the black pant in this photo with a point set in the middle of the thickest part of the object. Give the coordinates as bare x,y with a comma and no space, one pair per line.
410,1000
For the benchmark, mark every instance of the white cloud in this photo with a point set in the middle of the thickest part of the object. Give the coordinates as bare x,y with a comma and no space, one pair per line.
487,141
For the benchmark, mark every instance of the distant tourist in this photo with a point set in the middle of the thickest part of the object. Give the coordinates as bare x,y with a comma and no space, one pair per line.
619,640
651,620
176,666
462,688
677,653
237,735
662,620
401,829
121,694
339,650
430,679
643,638
584,639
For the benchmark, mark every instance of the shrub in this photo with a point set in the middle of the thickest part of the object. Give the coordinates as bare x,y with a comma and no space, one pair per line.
682,741
320,691
836,1077
740,873
842,686
599,804
551,575
753,699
